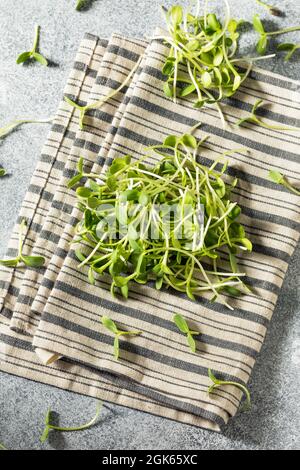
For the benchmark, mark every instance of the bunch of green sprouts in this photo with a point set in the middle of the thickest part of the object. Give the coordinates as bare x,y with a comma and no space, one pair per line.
182,253
202,59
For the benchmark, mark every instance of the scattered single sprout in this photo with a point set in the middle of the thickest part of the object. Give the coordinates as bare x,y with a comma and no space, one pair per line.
278,178
8,128
272,10
206,49
112,327
185,258
290,48
220,383
182,325
98,104
2,447
263,41
2,172
253,119
50,427
33,54
31,261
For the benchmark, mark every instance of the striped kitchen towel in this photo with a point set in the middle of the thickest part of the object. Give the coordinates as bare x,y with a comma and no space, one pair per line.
157,373
158,364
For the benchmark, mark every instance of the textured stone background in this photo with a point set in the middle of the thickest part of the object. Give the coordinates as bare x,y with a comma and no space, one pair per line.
34,90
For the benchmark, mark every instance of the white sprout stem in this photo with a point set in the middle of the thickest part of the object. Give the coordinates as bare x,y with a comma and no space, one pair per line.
253,59
99,103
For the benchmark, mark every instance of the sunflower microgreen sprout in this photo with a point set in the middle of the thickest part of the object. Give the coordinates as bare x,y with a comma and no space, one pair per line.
290,48
8,128
98,104
168,222
278,178
263,41
110,325
220,383
31,261
33,54
254,119
2,172
50,427
182,325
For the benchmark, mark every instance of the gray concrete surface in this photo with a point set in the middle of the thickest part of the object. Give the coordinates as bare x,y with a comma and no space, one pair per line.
34,90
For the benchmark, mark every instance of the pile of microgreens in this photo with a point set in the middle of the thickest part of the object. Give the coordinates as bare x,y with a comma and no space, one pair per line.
202,58
50,427
33,54
31,261
278,178
189,263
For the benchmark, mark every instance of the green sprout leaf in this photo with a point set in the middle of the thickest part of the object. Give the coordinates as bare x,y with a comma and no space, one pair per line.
2,447
50,427
33,54
182,325
2,172
81,4
30,261
258,25
278,178
289,48
220,383
112,327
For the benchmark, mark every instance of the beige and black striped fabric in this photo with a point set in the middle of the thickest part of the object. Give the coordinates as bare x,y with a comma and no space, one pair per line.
157,373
